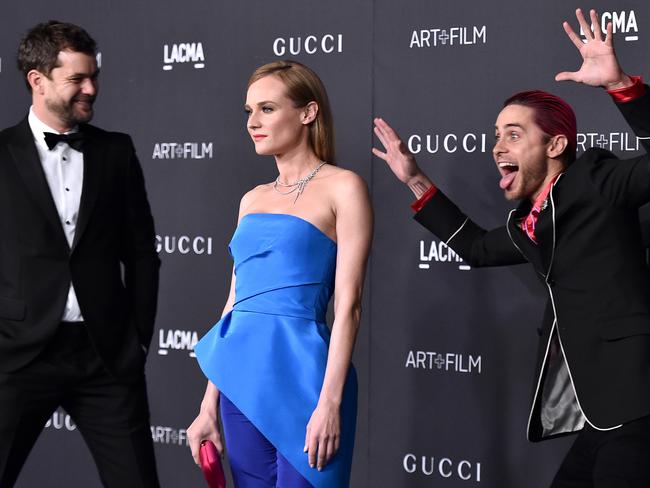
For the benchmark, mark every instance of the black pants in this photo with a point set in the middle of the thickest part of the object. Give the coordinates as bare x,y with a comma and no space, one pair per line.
112,416
617,458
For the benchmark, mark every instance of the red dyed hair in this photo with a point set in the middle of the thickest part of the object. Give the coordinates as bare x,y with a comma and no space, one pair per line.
553,115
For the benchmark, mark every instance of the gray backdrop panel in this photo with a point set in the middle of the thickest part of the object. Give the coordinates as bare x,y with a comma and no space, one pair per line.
445,355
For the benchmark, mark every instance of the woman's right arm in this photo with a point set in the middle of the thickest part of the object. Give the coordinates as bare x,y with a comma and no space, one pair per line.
205,425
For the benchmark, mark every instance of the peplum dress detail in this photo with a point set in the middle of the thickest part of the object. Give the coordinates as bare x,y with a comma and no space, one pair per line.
268,354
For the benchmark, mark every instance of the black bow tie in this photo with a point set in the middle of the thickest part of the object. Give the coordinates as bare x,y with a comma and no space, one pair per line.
74,140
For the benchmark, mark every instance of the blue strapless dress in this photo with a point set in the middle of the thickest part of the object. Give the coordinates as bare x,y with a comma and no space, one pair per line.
268,355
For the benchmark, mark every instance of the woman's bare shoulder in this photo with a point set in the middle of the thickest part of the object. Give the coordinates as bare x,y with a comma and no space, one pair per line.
251,195
343,176
347,180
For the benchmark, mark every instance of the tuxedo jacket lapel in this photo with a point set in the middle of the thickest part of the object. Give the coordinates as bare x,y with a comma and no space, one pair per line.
544,234
25,157
531,250
93,170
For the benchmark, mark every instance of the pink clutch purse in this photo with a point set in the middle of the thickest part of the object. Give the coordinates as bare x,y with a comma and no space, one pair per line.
211,465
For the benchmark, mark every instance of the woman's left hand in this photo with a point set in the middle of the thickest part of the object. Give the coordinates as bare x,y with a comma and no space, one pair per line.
323,435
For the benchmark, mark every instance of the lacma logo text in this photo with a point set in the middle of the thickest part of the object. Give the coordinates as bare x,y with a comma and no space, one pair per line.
181,53
623,22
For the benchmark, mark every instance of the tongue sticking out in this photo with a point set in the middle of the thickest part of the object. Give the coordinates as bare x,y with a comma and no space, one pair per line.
506,181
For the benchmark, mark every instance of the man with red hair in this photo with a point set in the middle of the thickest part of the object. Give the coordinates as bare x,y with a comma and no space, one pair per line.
598,310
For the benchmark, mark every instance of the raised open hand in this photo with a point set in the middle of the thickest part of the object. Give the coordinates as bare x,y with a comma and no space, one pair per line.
599,63
397,156
399,159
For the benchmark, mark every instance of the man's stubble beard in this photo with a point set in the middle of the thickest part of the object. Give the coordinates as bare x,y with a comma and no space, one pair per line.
66,113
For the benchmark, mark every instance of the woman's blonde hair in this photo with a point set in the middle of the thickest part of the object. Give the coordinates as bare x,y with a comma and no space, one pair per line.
304,86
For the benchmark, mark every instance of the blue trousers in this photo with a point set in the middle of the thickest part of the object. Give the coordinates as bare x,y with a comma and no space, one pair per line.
254,461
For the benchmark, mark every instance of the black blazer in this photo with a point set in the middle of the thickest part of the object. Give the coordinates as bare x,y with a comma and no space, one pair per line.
112,263
591,260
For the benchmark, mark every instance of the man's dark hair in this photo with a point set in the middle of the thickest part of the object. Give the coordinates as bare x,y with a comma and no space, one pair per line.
40,48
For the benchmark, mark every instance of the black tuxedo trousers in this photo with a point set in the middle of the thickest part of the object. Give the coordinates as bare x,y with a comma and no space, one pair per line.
111,415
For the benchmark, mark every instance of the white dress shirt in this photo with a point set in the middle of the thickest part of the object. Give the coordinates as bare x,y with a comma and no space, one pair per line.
63,168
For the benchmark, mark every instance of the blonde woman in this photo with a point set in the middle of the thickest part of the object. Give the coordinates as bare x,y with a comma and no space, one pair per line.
282,382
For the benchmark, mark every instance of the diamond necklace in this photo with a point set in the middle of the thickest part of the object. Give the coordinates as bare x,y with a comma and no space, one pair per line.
299,185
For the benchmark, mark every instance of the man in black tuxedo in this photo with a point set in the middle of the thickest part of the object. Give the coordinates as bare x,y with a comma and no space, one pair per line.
78,269
578,225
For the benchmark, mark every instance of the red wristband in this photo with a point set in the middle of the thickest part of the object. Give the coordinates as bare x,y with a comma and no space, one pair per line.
629,93
422,201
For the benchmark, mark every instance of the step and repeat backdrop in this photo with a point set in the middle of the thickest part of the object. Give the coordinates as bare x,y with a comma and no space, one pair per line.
445,354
